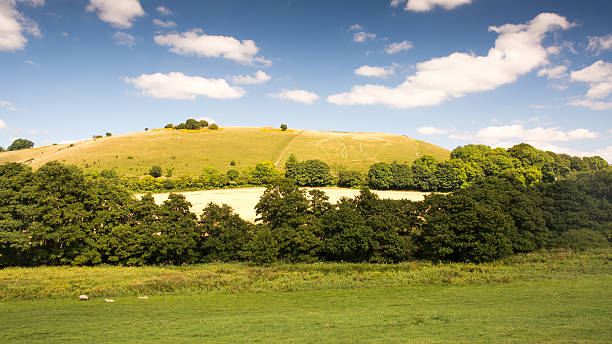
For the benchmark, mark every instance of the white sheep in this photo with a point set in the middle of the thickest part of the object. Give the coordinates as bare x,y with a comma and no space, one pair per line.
83,297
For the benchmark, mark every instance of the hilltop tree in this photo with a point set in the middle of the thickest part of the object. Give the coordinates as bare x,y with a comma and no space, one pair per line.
283,127
213,126
203,123
20,144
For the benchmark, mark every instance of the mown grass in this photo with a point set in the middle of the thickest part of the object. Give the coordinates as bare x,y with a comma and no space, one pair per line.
577,310
112,281
188,152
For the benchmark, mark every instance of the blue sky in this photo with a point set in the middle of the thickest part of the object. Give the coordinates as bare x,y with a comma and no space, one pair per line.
450,72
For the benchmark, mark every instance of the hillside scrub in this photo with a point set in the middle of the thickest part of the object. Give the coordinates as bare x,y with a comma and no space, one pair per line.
58,215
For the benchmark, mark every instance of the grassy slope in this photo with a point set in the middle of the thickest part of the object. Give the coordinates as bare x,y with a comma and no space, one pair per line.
190,152
545,297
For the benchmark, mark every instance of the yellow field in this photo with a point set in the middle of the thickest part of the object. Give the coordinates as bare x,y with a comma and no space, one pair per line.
189,151
243,200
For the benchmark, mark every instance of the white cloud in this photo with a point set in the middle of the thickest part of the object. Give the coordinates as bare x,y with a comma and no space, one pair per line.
428,5
434,131
65,34
553,73
207,119
361,36
163,10
259,78
196,42
3,125
123,38
518,50
355,27
179,86
162,23
13,24
395,48
494,135
599,77
597,44
605,153
7,105
372,71
591,104
299,96
118,13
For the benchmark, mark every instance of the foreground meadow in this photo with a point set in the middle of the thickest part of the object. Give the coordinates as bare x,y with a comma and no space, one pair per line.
557,296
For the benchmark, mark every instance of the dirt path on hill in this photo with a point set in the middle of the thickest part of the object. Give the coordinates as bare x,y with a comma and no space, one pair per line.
286,149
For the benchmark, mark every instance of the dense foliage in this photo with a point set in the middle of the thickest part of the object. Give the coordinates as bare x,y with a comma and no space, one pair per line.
19,144
190,124
521,163
58,215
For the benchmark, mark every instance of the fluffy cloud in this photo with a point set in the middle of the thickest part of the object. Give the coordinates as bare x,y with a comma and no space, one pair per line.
123,38
118,13
180,86
518,50
553,73
395,48
361,36
3,125
162,23
372,71
207,119
299,96
428,5
355,27
7,105
599,77
495,135
196,42
434,131
13,25
163,10
260,77
597,44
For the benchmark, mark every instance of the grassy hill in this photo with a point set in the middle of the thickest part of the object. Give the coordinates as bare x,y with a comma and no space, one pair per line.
189,151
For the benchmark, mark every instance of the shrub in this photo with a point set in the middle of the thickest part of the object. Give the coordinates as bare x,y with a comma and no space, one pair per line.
580,239
108,134
350,179
155,171
232,163
169,172
213,126
283,127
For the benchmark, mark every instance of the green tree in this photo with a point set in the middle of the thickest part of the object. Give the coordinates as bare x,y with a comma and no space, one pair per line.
596,163
203,123
108,134
20,144
283,127
380,176
350,179
224,234
213,126
155,171
263,247
424,173
169,126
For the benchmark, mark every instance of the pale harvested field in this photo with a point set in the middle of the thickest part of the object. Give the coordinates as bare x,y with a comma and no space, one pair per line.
243,200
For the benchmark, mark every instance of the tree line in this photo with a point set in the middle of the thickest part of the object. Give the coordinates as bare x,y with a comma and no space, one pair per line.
58,215
522,163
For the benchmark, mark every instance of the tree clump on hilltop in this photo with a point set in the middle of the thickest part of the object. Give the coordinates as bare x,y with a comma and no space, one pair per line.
190,124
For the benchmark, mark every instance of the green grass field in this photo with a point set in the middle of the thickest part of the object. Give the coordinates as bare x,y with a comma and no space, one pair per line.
560,297
188,152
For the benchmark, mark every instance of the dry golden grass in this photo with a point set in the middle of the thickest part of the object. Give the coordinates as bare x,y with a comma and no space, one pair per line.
189,151
243,200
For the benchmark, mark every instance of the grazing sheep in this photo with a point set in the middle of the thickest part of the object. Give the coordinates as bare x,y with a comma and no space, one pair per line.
83,297
143,297
109,300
